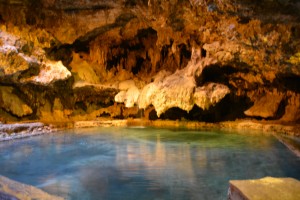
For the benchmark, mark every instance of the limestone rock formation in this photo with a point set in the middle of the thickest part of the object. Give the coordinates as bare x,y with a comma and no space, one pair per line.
266,106
13,62
129,93
292,109
50,72
83,71
175,90
12,103
185,55
179,89
209,95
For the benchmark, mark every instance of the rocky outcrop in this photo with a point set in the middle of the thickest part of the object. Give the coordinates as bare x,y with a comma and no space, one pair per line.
292,109
50,72
209,95
179,89
16,65
266,106
12,103
129,94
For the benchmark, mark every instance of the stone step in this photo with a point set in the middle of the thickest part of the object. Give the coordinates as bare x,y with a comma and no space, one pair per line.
265,188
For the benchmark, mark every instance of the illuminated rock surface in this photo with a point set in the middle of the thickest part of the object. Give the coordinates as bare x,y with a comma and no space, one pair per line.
198,60
12,103
265,188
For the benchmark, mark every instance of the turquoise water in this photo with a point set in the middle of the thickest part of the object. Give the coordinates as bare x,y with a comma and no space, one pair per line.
135,163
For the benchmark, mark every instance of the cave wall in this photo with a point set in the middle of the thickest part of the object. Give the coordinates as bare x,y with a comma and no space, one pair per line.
199,60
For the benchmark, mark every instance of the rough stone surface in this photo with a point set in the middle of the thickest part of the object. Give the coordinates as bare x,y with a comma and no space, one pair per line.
129,93
266,106
175,91
292,110
12,103
210,95
84,72
170,49
14,190
50,72
178,89
13,61
265,188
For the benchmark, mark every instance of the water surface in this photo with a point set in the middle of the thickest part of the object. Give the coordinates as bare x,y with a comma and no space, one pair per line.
135,163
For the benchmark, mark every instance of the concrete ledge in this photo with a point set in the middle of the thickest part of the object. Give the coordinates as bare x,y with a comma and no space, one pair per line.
265,188
13,190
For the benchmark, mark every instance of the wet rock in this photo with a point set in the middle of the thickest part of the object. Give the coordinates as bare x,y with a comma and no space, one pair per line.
11,103
22,130
265,106
14,190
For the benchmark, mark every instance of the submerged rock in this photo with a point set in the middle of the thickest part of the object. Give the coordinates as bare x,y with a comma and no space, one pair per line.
14,190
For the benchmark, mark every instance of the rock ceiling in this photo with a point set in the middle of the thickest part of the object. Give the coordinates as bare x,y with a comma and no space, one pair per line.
205,60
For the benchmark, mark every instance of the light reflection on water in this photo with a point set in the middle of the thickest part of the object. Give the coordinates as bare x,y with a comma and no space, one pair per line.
115,163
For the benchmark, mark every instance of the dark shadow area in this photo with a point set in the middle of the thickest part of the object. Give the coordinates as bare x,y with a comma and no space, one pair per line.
268,11
61,53
216,74
129,53
229,109
286,82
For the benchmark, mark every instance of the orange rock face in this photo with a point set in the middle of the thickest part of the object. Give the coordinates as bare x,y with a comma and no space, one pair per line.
79,52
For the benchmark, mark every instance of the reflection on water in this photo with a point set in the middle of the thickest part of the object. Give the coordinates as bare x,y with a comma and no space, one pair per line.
114,163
